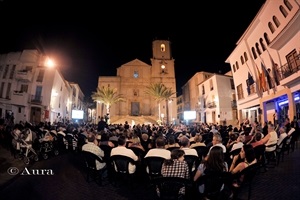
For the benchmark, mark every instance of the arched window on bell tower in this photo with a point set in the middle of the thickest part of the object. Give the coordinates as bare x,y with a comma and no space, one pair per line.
162,47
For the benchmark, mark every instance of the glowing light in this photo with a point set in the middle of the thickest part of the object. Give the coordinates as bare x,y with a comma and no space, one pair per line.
49,63
287,101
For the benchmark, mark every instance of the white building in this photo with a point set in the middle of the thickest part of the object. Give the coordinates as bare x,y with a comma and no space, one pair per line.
212,96
32,91
271,41
217,100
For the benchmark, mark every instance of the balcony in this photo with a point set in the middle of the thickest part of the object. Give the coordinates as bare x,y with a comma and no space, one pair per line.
19,98
34,99
211,104
24,75
289,74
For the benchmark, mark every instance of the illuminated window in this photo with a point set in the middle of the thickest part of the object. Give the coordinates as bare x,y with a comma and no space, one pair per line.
162,47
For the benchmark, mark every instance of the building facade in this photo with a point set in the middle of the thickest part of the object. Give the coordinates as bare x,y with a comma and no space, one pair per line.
134,77
211,96
217,100
265,64
190,92
33,91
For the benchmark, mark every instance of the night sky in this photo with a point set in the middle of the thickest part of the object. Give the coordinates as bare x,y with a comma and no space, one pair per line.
88,39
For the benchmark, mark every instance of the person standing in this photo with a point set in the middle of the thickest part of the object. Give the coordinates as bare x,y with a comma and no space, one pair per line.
101,125
275,118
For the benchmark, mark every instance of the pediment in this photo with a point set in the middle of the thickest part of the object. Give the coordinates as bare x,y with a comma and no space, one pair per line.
136,62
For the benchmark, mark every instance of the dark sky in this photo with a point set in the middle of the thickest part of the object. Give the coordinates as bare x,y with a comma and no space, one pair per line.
89,39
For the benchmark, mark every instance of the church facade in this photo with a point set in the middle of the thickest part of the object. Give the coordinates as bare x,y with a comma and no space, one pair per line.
132,80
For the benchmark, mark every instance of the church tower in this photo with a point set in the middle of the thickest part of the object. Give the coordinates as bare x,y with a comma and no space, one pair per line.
162,61
163,71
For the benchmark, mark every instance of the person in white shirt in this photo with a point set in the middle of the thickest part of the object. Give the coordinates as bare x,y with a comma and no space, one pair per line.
122,150
160,150
185,146
91,146
271,138
239,143
216,141
283,134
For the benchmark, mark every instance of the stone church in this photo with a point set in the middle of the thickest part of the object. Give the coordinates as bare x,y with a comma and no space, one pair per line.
131,81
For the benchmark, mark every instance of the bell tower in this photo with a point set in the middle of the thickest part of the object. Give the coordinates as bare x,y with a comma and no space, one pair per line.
163,71
162,61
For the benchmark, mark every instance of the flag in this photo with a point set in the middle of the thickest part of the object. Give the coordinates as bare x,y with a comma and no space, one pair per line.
249,82
275,72
265,74
258,81
250,78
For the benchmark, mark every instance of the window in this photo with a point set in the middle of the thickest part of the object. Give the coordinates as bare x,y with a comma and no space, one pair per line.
276,21
257,48
29,68
245,56
232,84
5,72
1,89
262,44
293,61
242,60
162,47
233,66
38,92
283,11
8,91
24,88
271,27
253,53
135,74
40,76
288,5
267,38
237,65
11,75
240,93
211,85
203,89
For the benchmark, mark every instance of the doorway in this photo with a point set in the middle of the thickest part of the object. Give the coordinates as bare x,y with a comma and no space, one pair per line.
135,108
35,115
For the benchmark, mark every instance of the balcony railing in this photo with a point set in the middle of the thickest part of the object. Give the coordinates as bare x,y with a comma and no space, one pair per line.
24,75
36,99
19,98
289,69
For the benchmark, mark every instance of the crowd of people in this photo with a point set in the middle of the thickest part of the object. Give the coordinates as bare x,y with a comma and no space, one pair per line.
169,142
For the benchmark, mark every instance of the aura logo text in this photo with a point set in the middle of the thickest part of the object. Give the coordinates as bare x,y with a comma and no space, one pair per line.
38,172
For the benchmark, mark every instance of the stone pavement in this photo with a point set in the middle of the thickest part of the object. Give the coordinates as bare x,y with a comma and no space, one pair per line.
68,181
